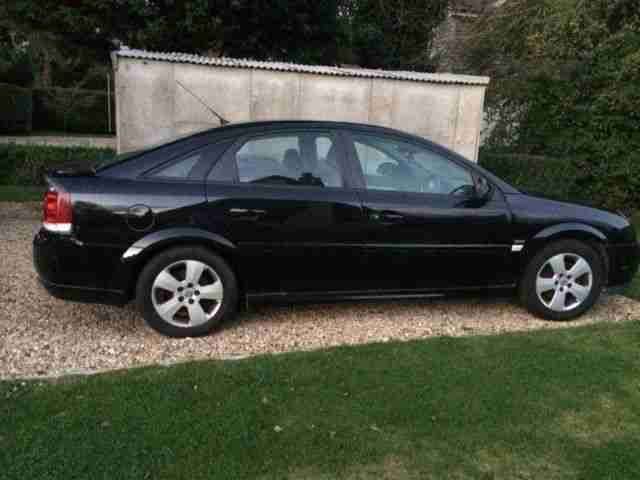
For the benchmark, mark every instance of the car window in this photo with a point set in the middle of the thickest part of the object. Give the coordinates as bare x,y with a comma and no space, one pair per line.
394,165
181,169
306,159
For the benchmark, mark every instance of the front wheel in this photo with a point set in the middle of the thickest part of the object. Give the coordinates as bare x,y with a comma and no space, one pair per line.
563,280
186,292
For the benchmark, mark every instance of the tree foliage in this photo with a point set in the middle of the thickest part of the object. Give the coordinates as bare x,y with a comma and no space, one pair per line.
565,83
392,34
303,31
373,33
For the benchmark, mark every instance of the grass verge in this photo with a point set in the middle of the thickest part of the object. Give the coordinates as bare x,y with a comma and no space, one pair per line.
556,404
13,193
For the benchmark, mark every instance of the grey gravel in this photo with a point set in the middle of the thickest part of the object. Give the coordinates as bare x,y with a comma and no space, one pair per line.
43,336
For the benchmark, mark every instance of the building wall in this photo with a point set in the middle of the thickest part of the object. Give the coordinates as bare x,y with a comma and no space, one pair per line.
152,107
454,31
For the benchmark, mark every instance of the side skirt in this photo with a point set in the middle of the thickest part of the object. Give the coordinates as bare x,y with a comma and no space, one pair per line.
294,297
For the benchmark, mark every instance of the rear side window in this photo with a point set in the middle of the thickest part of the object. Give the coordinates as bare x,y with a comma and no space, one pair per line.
182,169
305,159
194,165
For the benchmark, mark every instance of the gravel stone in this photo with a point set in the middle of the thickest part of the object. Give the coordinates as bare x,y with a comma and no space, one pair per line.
43,336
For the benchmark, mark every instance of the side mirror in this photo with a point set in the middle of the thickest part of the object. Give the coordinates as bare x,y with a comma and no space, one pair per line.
483,188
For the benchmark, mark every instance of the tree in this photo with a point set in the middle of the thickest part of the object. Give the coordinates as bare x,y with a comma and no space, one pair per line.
75,96
392,34
301,31
565,76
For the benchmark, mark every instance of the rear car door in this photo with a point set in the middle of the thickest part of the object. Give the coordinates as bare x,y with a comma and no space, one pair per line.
283,198
426,228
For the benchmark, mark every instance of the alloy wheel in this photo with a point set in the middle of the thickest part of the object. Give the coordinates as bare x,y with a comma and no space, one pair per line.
564,282
187,293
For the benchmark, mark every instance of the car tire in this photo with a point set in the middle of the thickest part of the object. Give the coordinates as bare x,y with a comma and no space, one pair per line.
187,292
548,288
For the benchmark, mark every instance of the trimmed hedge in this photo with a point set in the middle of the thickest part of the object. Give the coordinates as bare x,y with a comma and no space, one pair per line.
28,164
552,177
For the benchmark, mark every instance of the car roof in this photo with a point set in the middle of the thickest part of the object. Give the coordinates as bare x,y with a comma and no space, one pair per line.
270,124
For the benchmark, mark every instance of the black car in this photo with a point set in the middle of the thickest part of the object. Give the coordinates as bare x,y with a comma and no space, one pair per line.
316,211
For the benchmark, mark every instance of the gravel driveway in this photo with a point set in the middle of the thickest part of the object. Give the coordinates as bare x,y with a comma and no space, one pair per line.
42,336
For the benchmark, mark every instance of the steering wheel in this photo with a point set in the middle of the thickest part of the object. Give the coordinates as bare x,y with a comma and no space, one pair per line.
430,184
467,189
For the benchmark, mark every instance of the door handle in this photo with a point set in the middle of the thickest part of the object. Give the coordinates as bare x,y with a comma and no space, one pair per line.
247,213
386,217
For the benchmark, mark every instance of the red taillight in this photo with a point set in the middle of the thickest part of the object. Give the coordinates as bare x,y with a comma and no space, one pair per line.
57,213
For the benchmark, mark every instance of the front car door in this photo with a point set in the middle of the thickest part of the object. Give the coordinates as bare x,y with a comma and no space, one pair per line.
283,198
426,228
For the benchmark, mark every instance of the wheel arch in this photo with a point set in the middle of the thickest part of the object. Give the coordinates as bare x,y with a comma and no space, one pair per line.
138,255
568,231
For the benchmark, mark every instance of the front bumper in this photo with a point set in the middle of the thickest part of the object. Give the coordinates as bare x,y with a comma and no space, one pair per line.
623,263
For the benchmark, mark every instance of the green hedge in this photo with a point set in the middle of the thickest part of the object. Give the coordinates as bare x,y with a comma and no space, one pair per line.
547,176
16,107
28,164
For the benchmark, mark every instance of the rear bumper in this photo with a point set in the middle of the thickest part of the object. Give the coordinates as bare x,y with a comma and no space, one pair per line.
70,270
623,263
83,294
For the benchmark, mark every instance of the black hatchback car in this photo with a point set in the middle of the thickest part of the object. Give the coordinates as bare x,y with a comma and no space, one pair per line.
315,211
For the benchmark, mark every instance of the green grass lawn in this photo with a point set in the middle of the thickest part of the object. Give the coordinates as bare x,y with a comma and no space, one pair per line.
561,404
13,193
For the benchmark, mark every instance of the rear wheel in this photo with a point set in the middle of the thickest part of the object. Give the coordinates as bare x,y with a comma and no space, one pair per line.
187,292
563,280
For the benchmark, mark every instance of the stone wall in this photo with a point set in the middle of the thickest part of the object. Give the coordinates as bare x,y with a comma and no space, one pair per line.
62,141
152,107
448,44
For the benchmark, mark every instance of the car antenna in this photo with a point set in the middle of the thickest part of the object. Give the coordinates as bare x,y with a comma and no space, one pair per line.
223,121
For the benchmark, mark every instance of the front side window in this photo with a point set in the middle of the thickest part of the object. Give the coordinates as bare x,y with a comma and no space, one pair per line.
394,165
306,159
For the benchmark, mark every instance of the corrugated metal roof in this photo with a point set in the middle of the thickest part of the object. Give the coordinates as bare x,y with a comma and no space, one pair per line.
294,67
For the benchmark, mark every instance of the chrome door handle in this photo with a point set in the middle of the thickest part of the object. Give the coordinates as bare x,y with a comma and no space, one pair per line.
247,212
386,217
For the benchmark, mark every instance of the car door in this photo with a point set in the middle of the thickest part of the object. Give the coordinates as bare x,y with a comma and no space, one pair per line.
426,228
283,198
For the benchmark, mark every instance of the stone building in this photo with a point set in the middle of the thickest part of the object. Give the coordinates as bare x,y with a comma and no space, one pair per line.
451,34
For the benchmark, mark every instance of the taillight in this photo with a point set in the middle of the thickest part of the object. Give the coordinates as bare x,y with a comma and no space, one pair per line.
57,213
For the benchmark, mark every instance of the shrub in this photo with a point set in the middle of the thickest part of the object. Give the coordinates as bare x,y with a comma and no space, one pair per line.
548,176
565,78
28,164
54,109
16,107
71,111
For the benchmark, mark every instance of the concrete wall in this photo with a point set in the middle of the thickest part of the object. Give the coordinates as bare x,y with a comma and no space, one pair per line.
152,107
